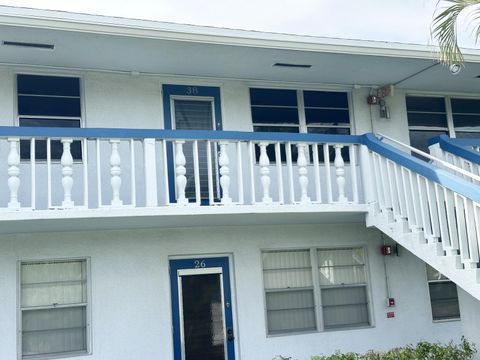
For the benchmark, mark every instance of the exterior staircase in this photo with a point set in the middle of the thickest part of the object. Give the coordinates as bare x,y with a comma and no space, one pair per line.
429,211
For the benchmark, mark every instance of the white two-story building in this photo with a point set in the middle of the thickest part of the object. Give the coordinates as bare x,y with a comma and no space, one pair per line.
180,192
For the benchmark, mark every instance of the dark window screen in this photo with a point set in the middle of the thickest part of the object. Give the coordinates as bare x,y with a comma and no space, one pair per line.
203,317
49,101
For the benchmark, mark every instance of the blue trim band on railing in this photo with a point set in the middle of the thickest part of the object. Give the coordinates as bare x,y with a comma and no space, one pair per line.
423,168
109,133
458,147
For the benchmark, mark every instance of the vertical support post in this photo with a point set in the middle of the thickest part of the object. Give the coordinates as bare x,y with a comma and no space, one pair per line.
180,171
67,172
223,161
115,172
303,174
13,173
265,173
340,173
150,165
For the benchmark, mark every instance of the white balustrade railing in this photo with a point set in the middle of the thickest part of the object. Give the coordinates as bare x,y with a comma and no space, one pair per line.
75,171
471,167
444,215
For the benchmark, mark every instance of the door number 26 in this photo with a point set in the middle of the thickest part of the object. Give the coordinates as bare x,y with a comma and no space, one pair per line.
198,264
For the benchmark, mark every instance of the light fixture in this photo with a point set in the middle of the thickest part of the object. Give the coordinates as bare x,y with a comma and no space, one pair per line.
455,69
29,45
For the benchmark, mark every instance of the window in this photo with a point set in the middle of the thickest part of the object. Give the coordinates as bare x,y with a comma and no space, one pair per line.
48,101
443,296
297,111
54,313
432,116
289,291
290,288
343,285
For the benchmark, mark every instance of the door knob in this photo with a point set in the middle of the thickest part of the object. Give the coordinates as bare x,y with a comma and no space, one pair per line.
230,336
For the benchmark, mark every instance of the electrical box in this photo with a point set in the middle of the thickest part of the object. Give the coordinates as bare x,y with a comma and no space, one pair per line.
390,302
387,250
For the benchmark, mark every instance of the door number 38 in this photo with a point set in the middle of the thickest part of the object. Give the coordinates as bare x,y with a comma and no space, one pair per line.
198,264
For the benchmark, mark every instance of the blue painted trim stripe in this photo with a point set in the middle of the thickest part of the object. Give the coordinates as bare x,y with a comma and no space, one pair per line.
214,135
423,168
458,147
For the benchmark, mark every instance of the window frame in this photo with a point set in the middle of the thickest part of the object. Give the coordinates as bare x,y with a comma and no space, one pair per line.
318,308
302,121
446,280
88,309
450,128
82,118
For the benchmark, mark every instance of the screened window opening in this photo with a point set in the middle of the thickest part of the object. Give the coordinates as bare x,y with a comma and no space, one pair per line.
290,290
443,296
297,111
429,117
53,302
466,117
48,101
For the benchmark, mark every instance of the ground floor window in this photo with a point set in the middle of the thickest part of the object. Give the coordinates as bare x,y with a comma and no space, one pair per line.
53,308
304,285
443,296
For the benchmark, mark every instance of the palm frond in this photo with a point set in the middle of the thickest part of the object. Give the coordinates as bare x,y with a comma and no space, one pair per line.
444,29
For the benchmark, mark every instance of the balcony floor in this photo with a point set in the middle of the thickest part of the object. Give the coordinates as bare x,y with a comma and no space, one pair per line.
177,216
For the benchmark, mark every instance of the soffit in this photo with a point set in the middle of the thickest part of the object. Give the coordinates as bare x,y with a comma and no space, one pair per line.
87,50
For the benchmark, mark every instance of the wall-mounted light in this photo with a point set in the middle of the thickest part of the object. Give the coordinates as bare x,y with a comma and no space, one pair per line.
455,69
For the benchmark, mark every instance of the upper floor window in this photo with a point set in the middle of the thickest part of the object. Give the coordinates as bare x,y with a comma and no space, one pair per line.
48,101
53,308
293,278
300,111
432,116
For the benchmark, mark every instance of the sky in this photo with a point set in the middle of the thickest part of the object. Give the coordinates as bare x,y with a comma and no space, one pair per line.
406,21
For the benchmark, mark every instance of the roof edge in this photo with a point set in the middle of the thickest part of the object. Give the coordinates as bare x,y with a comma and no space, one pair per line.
108,25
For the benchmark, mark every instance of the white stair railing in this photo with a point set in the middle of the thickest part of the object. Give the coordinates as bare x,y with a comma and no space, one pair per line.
410,196
459,154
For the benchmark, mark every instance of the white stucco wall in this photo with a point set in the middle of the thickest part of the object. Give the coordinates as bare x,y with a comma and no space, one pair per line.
470,311
130,297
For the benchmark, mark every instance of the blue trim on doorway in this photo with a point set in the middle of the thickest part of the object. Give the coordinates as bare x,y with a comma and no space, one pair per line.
191,91
176,265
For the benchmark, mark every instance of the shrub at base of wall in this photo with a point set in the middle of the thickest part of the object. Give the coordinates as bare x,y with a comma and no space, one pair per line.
423,350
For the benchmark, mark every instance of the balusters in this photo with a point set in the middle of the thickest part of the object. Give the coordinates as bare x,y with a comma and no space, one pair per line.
67,171
115,172
223,161
13,173
340,173
302,174
265,173
180,171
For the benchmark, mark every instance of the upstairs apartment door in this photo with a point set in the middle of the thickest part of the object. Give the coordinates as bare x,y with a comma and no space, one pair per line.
193,108
202,309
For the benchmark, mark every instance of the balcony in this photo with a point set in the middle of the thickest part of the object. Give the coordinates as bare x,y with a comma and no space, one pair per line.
62,179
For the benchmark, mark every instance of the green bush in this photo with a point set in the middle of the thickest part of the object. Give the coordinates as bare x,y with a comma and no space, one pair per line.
422,351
